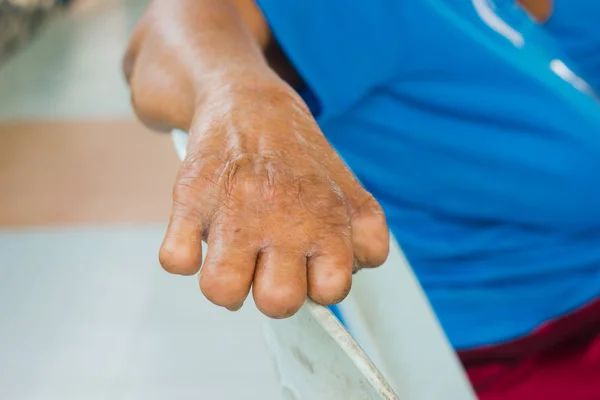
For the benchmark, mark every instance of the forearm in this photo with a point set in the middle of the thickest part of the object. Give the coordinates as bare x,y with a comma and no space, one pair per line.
218,42
252,17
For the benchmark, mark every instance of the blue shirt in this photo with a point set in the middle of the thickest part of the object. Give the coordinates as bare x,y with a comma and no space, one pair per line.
478,137
575,24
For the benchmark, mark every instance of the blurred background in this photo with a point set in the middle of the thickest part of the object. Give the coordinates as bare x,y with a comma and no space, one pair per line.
86,312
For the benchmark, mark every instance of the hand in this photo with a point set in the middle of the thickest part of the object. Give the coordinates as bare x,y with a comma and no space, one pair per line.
261,185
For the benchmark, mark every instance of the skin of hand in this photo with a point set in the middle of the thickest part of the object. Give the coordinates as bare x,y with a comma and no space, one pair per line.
280,211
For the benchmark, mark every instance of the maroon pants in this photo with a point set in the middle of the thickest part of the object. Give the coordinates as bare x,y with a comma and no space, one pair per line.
558,361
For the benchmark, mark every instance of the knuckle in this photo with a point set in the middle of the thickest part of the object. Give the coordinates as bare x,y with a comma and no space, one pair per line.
185,210
320,197
224,171
197,176
235,175
192,213
193,168
194,164
363,202
370,219
249,178
269,183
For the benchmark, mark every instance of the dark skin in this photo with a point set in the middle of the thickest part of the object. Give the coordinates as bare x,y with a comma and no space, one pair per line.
281,213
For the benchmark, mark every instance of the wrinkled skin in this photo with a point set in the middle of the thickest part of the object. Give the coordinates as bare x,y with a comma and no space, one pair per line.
281,213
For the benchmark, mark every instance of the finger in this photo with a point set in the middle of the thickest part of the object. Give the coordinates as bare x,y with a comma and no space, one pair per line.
370,233
181,249
330,269
228,270
193,200
280,282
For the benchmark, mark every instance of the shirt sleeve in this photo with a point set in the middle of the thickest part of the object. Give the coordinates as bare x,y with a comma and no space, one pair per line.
341,48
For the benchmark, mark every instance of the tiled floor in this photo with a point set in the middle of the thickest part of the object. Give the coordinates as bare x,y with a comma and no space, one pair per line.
85,310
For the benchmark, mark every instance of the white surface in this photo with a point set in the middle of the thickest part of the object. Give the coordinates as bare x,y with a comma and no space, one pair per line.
317,359
89,314
391,318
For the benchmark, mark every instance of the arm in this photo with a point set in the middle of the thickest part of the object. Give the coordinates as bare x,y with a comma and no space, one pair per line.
172,29
278,208
203,45
254,19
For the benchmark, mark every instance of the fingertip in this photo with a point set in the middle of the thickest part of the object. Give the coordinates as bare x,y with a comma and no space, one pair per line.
370,238
181,254
223,286
228,270
329,279
280,282
279,302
